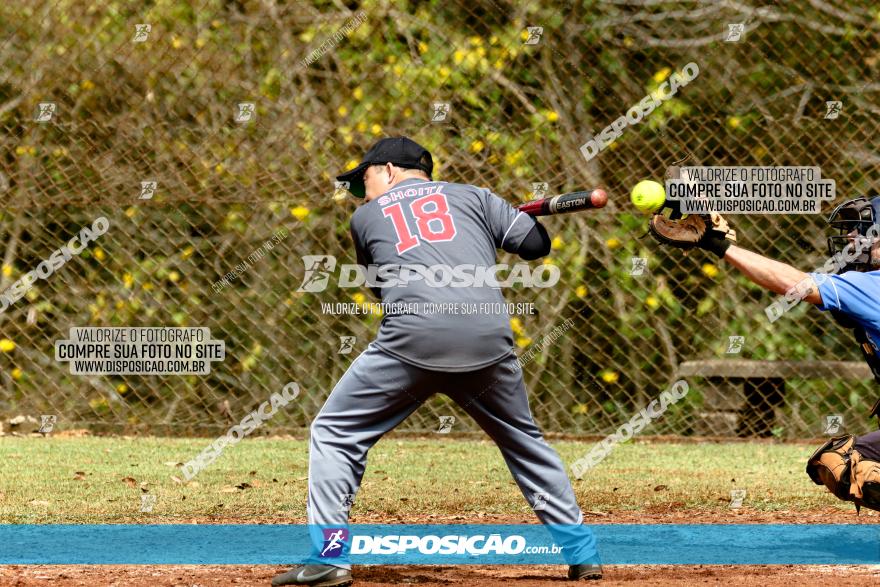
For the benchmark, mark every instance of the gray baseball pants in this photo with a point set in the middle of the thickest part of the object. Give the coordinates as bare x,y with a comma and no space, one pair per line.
378,391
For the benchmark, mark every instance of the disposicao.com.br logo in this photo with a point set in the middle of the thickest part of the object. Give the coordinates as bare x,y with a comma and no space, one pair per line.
451,545
320,268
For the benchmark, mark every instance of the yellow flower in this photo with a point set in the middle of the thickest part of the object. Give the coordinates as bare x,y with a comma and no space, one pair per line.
376,129
16,373
187,252
652,302
407,112
516,325
580,291
548,261
557,243
130,212
300,212
580,409
477,146
361,127
458,56
392,59
87,85
174,276
358,93
552,116
734,121
177,42
710,270
513,158
523,341
121,388
612,243
128,280
359,298
476,41
6,345
352,163
662,74
219,168
628,42
610,376
7,270
342,110
444,71
21,150
423,47
98,403
99,254
525,35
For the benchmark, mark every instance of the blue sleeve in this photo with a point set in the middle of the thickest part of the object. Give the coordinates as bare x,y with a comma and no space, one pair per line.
854,293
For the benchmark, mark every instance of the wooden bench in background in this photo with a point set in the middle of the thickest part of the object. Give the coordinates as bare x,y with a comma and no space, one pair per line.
742,395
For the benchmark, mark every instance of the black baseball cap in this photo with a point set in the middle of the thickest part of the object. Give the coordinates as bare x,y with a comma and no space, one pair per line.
401,151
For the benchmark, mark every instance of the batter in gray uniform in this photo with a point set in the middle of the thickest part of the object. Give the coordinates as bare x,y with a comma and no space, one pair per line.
409,220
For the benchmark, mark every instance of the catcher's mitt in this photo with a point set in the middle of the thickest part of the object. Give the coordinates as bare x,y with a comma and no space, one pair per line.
706,231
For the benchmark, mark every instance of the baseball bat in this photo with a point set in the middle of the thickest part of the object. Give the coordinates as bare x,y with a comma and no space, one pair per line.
564,203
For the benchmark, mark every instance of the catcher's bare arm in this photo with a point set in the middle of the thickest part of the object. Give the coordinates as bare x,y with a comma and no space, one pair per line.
773,275
712,233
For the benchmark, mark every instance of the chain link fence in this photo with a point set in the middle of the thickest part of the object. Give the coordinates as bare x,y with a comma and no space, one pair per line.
201,131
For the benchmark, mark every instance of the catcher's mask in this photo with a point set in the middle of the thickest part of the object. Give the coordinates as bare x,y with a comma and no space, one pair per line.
854,220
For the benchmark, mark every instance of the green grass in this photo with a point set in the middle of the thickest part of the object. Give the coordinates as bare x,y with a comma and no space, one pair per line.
405,476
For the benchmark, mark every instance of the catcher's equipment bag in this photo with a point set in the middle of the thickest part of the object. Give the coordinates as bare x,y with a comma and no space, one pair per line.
849,467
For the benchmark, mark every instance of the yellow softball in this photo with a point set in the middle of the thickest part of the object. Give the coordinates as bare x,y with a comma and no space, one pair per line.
648,196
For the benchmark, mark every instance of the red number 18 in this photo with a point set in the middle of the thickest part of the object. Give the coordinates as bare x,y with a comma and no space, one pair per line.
434,225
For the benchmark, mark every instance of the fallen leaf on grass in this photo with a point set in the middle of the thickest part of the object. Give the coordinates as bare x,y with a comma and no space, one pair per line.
661,487
79,475
130,481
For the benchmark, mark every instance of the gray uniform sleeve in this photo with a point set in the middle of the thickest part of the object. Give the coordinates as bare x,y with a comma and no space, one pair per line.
362,253
509,226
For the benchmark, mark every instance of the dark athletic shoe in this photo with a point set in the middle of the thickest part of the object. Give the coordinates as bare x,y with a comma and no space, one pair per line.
585,572
315,575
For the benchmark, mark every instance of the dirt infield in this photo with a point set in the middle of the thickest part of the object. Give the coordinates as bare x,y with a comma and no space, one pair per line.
430,576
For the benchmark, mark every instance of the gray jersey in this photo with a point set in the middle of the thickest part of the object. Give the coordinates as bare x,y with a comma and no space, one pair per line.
438,225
